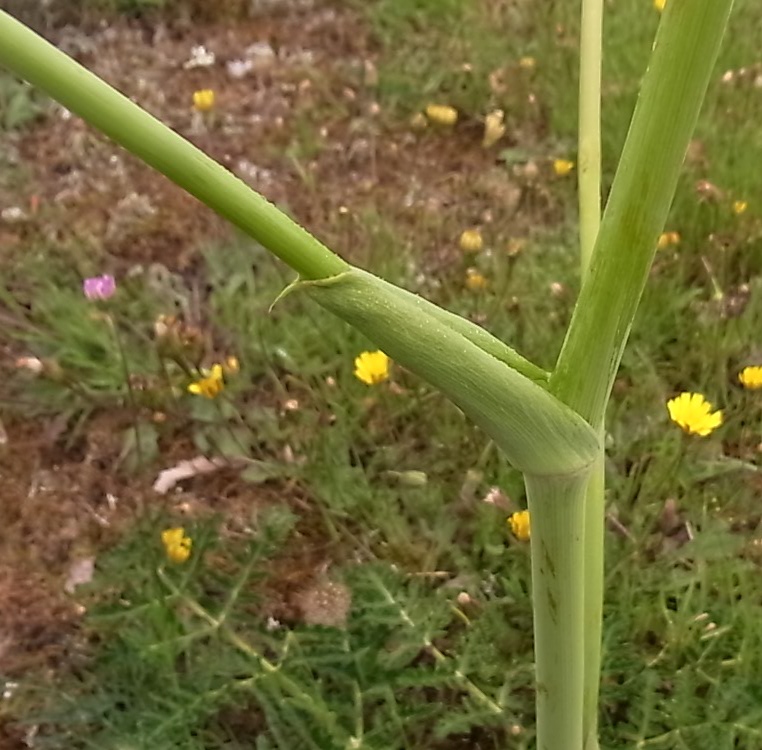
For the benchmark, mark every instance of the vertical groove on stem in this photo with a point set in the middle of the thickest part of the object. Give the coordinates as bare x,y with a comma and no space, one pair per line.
594,589
589,177
557,510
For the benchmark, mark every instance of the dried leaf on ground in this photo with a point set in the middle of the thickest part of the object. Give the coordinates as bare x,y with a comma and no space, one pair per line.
168,478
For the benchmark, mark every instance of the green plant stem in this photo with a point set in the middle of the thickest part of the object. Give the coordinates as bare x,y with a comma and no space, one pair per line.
557,510
39,62
536,432
589,149
594,588
589,178
673,89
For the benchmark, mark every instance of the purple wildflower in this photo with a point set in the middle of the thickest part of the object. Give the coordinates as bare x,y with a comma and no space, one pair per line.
99,287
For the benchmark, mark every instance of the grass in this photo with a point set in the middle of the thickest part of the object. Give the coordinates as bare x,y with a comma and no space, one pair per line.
214,654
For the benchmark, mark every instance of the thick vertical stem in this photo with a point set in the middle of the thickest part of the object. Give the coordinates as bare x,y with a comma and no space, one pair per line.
685,50
591,43
557,510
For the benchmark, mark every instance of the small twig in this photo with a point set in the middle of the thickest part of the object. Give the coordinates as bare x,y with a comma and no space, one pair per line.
619,526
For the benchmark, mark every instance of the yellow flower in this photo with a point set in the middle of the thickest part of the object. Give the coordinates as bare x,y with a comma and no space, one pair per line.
210,385
694,414
474,280
519,523
471,241
494,128
176,544
442,114
739,207
372,367
751,377
203,100
660,5
668,238
527,63
563,167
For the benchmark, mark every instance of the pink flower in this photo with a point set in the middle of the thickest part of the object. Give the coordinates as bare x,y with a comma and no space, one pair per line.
99,287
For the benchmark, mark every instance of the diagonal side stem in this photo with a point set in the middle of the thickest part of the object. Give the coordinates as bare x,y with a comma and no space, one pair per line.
32,58
538,434
39,62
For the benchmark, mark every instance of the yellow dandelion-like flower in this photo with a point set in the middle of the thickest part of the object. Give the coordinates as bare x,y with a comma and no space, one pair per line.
494,128
372,367
666,239
210,385
203,100
475,281
442,114
519,524
739,207
471,241
694,414
563,167
660,5
751,377
527,63
176,544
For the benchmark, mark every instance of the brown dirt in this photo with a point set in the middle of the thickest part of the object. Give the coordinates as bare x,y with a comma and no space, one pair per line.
54,511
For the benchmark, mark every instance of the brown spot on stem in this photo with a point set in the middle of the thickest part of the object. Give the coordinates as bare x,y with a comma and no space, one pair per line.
553,606
548,560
